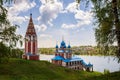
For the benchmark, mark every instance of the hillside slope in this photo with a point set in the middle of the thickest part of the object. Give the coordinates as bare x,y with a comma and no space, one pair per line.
18,69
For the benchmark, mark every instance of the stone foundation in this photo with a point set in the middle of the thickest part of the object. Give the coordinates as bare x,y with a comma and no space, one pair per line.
31,57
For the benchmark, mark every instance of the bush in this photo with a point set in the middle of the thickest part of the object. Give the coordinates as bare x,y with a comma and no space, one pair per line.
4,52
4,60
106,71
16,53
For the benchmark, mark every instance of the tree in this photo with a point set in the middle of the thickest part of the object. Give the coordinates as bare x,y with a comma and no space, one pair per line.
8,36
4,50
7,32
3,12
107,16
16,53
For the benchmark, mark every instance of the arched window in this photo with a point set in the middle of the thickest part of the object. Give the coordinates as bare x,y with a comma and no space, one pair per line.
66,63
29,38
34,38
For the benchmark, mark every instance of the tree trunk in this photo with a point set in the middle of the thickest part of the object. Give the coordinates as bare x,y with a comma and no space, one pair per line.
117,27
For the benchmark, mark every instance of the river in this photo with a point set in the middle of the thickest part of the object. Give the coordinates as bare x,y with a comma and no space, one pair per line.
99,62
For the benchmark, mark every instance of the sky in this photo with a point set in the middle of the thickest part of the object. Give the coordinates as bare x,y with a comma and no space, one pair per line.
54,19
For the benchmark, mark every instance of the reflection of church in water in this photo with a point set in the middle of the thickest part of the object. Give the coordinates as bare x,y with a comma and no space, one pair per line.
63,54
63,57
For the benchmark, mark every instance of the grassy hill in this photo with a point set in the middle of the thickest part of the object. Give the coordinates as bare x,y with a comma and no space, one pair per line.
18,69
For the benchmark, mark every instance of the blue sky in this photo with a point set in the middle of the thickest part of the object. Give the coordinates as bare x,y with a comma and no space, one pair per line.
54,19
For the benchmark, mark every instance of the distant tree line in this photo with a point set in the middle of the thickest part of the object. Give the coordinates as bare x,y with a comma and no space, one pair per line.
47,51
92,50
81,50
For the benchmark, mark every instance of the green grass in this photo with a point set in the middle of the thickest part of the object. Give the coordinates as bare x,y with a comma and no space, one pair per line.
18,69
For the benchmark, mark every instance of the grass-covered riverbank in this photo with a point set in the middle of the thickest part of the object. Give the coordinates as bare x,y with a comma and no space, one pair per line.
18,69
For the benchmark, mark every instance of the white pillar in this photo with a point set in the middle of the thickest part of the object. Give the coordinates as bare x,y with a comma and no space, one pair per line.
65,55
28,57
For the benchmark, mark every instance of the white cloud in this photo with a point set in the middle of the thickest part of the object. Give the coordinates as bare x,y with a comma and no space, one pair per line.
72,7
82,17
49,10
50,23
46,40
17,8
45,36
79,23
43,1
27,17
39,18
41,27
17,19
68,26
21,6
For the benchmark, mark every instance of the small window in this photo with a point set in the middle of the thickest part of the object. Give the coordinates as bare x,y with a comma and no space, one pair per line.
66,63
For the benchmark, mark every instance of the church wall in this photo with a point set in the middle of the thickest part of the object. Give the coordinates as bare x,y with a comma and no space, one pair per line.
61,54
29,46
57,62
36,57
63,64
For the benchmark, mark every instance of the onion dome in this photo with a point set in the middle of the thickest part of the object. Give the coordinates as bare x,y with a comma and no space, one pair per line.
89,65
63,45
69,46
56,46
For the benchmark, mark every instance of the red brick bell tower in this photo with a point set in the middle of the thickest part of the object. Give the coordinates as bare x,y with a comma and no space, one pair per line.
30,42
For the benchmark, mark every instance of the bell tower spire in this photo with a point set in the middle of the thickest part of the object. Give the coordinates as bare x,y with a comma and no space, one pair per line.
30,14
31,42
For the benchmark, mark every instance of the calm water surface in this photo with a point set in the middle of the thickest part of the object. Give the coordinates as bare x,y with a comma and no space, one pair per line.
99,62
